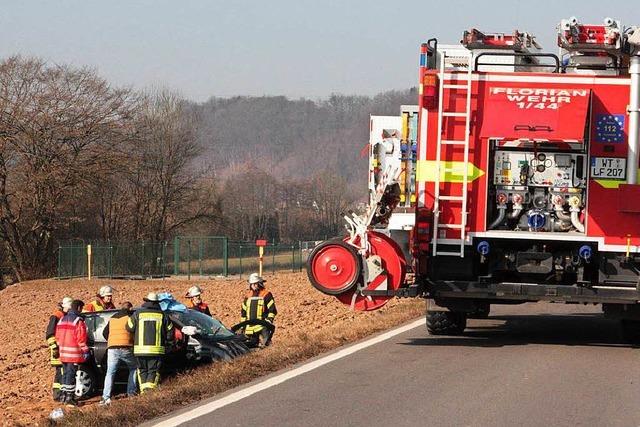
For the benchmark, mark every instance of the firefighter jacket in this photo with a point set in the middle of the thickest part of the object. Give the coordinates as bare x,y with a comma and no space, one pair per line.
71,336
50,335
98,305
152,330
116,332
258,306
202,307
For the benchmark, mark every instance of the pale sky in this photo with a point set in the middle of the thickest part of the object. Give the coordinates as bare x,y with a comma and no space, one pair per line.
300,48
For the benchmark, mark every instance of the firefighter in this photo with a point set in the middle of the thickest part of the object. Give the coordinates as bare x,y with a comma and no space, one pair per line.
152,332
54,350
195,300
103,301
71,336
259,305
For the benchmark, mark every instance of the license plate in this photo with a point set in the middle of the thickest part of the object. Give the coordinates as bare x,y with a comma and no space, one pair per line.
608,168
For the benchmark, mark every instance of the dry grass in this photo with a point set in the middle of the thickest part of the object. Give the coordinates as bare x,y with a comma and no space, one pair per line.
209,380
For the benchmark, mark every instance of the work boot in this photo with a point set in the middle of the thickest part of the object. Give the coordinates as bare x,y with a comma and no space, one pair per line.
105,402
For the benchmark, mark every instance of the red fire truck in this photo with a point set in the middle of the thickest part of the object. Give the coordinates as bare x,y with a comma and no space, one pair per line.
515,179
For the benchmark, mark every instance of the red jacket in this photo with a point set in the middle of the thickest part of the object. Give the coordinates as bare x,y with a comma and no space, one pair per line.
71,336
202,307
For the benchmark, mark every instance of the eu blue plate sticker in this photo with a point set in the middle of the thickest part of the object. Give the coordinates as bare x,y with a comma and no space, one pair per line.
610,127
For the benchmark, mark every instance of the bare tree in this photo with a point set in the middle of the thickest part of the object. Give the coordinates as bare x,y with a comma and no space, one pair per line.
58,125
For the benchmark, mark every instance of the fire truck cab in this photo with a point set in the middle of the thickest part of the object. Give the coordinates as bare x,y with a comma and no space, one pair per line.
513,179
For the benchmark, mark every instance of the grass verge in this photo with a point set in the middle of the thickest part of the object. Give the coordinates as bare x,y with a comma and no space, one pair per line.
210,380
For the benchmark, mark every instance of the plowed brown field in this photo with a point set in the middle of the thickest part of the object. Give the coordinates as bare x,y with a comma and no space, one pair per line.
25,374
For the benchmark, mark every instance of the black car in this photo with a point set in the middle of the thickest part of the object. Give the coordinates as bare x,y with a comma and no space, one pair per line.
211,341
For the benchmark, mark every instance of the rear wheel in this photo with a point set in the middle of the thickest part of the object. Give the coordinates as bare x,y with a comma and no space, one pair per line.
446,322
86,382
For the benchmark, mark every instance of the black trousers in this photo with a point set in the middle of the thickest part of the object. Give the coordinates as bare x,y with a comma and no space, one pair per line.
69,378
148,372
57,382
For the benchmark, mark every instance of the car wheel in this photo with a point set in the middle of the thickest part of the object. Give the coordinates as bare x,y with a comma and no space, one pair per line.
86,380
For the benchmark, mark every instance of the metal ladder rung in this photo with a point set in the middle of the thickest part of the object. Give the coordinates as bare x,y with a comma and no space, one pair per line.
460,198
448,253
451,226
455,86
452,142
452,114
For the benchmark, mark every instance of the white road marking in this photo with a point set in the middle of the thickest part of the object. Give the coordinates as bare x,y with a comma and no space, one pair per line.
278,379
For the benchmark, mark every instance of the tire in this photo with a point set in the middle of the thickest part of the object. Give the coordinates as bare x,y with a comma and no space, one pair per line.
86,382
446,322
630,330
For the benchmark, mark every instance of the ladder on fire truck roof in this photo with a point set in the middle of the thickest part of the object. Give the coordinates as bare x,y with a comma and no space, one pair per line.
457,62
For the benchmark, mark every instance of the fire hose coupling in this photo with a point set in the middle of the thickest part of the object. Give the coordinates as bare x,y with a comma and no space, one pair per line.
517,201
502,200
558,200
483,248
574,203
585,252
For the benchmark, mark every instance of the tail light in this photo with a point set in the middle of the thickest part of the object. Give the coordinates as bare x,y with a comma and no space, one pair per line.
429,87
422,233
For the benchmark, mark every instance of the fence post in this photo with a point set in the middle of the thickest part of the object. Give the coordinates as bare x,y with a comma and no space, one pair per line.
293,258
188,259
110,265
240,256
225,256
176,254
89,261
59,259
142,260
200,249
273,258
164,254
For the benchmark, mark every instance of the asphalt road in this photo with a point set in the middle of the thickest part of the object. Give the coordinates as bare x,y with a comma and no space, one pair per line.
531,365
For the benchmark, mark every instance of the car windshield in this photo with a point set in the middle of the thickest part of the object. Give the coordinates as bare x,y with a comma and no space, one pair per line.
206,325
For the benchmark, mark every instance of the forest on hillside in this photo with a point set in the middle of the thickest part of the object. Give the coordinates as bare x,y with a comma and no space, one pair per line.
82,159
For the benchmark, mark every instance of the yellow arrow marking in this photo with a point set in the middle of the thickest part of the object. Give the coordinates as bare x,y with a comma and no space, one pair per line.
450,171
614,183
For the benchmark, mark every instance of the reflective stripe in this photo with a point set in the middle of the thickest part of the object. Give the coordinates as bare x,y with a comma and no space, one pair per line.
148,349
270,303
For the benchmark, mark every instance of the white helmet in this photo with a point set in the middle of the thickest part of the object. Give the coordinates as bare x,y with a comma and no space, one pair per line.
193,291
151,297
66,303
255,278
105,291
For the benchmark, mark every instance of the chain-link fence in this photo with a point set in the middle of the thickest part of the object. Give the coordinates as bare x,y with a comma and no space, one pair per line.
204,256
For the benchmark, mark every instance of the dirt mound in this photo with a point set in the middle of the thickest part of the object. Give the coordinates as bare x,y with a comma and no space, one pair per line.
25,373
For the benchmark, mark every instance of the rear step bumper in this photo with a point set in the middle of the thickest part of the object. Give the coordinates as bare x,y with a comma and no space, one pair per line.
533,292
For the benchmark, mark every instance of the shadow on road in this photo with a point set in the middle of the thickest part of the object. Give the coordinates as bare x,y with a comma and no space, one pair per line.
499,331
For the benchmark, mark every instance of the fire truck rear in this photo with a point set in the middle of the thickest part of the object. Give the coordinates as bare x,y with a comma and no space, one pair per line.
514,179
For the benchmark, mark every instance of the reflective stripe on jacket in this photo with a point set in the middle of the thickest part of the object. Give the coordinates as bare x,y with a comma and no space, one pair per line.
151,330
258,306
50,335
71,336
